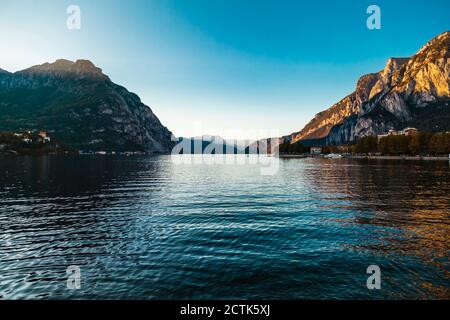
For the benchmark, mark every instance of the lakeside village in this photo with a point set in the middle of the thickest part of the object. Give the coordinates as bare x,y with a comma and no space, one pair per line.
40,142
30,142
405,143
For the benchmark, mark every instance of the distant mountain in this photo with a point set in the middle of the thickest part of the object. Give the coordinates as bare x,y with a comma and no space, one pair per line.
81,106
237,142
408,92
211,145
265,146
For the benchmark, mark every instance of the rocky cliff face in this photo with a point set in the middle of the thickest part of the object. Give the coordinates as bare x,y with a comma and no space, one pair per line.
408,89
79,104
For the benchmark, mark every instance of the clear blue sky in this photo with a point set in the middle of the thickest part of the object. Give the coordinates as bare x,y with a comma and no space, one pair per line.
228,63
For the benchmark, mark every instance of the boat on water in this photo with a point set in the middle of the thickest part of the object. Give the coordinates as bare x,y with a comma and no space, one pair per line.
333,156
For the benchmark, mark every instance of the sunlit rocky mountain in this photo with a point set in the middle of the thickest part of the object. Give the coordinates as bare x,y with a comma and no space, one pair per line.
411,91
79,104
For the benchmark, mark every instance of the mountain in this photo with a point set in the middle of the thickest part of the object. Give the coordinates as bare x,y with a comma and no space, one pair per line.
265,146
210,144
411,91
81,106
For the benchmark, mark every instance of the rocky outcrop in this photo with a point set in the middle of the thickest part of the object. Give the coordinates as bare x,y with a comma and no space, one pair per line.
80,105
407,88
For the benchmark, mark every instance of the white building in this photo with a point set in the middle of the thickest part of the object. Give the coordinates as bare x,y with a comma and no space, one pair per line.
405,132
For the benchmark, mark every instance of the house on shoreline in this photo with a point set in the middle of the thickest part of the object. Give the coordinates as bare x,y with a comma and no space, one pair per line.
409,132
43,135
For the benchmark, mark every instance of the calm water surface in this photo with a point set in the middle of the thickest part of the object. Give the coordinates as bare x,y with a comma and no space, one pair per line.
143,227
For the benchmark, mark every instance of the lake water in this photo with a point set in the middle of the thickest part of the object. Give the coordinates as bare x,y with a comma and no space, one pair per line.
143,227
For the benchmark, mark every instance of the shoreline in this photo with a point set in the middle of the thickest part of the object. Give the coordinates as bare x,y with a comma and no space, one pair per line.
409,158
425,158
283,156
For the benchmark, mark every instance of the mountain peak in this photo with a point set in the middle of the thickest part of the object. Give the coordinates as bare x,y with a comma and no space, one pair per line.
86,64
83,108
62,66
408,91
442,36
61,63
439,40
393,64
4,71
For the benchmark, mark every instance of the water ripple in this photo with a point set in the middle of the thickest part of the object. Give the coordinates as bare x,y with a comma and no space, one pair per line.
143,227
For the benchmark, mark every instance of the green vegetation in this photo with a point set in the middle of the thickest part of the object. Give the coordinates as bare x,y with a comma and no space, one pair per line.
423,143
366,145
435,117
336,149
292,148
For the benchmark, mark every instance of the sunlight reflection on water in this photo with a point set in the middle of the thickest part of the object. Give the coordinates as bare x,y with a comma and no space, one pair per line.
143,227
